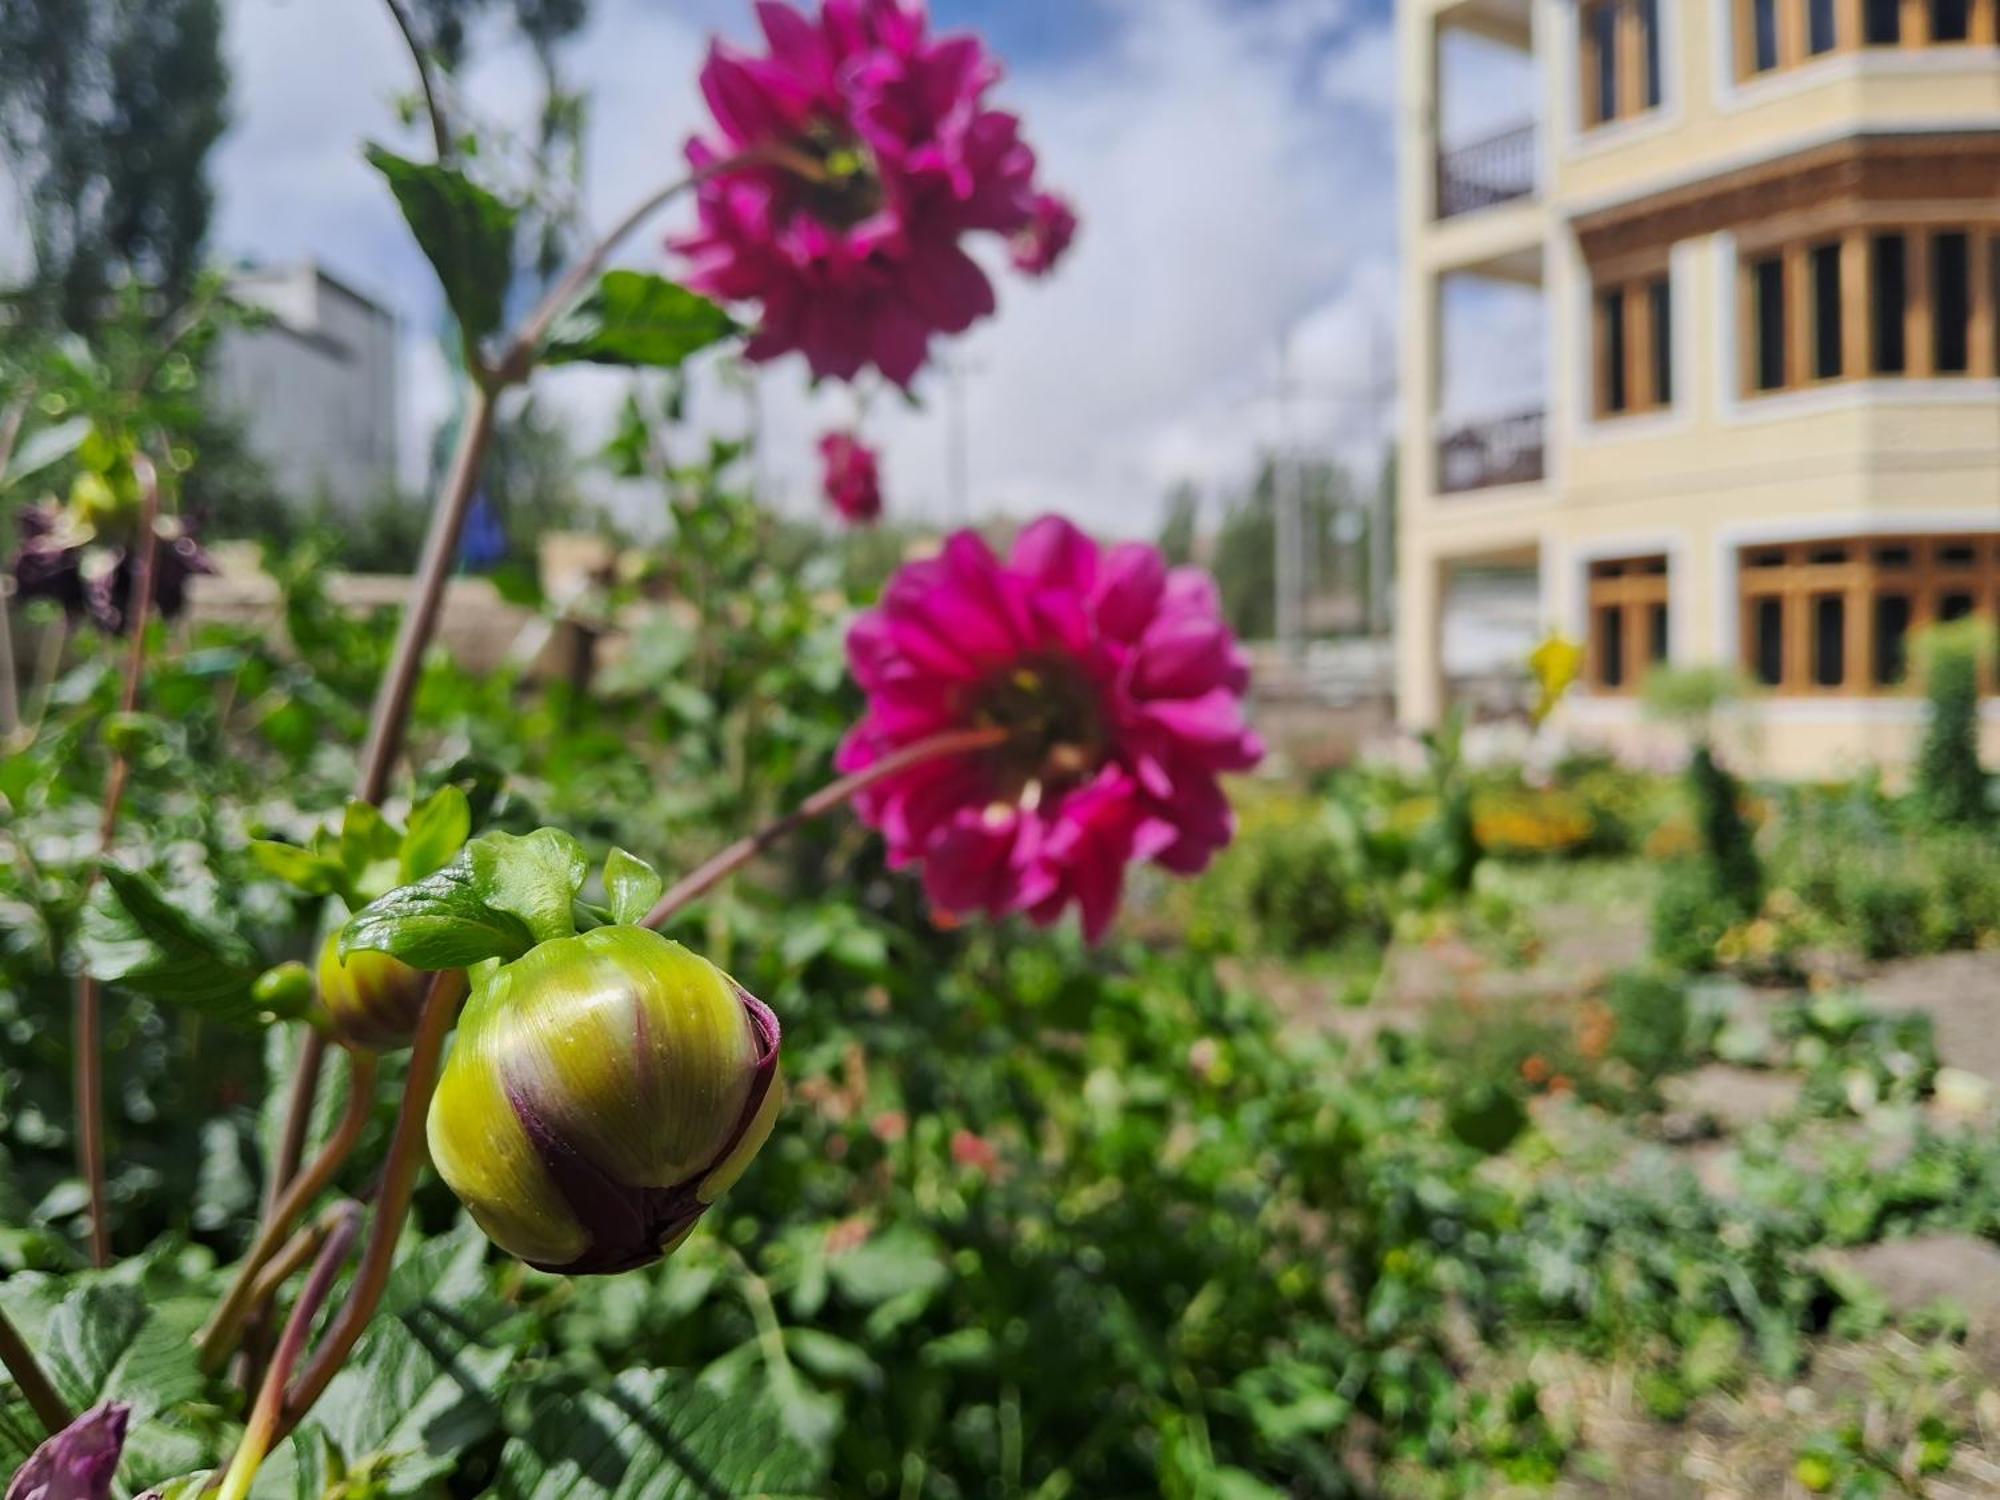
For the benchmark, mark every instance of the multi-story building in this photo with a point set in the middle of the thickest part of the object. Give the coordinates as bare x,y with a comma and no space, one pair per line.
315,384
1765,237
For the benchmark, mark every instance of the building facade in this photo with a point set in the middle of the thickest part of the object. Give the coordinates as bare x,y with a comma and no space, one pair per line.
1765,239
315,384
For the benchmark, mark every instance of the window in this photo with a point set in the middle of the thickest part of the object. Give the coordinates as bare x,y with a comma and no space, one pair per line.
1839,616
1827,330
1767,292
1951,20
1822,34
1631,622
1882,22
1764,35
1635,348
1951,302
1889,298
1623,69
1774,34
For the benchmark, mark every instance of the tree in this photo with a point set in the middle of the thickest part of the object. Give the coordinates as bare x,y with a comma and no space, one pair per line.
1178,531
108,112
1951,783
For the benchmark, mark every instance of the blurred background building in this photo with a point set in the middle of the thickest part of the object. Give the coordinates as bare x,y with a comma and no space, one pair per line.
1764,236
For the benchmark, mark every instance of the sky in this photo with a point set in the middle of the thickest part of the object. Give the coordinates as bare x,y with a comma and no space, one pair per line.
1233,161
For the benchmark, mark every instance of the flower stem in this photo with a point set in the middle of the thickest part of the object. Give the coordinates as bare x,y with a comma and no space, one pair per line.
10,690
88,1025
266,1429
227,1321
19,1361
700,881
392,1200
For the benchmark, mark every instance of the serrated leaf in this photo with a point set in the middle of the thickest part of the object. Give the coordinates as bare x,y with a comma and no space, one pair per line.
632,886
438,829
634,318
439,922
534,877
302,869
655,1434
465,232
134,937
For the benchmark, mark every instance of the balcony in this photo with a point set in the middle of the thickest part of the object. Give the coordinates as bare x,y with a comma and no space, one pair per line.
1486,455
1486,173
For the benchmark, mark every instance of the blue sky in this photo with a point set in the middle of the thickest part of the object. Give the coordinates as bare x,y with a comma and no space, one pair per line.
1233,160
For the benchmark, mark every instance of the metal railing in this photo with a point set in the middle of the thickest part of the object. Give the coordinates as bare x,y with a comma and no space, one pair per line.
1481,455
1483,173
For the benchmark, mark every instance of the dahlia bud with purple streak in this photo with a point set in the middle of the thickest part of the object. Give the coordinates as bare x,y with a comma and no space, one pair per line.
602,1091
371,1001
79,1462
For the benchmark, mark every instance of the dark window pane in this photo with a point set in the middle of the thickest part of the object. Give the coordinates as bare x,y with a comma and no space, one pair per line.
1611,646
1659,642
1768,641
1660,308
1603,23
1820,33
1765,27
1892,639
1767,560
1827,556
1616,397
1830,640
1957,555
1654,567
1951,20
1883,22
1890,292
1768,279
1951,300
1955,607
1826,312
1892,557
1649,21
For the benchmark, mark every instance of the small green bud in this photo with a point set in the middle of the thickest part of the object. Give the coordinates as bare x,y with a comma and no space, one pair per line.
372,1001
286,990
602,1091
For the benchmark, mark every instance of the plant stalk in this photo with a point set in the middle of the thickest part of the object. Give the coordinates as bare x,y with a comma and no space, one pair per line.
392,1201
227,1321
10,689
265,1429
19,1361
88,1025
701,880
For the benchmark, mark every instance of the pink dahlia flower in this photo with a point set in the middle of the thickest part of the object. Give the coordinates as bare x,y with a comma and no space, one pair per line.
875,155
1122,689
1044,240
852,477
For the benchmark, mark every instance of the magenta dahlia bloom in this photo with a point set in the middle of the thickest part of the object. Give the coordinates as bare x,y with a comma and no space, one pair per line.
852,475
875,156
1044,240
1123,691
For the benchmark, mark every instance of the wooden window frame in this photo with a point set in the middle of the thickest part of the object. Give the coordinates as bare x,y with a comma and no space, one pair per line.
1630,46
1640,342
1858,311
1808,572
1849,32
1634,587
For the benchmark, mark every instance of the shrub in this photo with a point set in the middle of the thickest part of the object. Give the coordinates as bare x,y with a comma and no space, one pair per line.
1650,1011
1690,917
1951,783
1728,847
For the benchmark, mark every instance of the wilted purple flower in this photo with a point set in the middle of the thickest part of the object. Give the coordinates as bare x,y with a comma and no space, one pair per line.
62,557
852,476
79,1462
1040,244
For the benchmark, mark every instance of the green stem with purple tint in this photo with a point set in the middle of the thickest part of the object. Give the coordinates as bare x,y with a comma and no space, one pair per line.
19,1361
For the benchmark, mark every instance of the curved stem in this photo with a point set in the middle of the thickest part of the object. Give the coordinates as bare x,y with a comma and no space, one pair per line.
19,1361
88,1011
298,1117
263,1431
392,1200
698,882
433,106
227,1321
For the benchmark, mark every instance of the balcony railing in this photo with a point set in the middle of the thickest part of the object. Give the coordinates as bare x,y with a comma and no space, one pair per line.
1496,170
1481,455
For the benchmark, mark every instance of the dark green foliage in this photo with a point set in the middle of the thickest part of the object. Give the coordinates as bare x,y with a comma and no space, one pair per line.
1728,845
636,319
1951,782
1650,1015
465,232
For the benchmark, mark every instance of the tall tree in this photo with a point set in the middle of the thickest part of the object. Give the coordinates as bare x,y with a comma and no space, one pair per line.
108,112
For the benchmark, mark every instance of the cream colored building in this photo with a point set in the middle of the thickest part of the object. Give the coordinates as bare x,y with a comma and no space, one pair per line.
1765,235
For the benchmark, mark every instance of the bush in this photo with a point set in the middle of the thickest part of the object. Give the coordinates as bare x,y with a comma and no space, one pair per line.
1951,783
1728,847
1651,1013
1690,917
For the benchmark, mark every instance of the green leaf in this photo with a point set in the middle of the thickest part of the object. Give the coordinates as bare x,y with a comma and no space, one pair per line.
134,937
303,869
42,449
466,233
637,318
534,877
370,848
632,884
655,1434
440,922
438,830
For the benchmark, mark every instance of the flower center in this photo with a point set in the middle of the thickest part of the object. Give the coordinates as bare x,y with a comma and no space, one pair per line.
1055,723
833,176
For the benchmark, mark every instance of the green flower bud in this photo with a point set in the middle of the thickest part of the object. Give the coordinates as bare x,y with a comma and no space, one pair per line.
286,990
602,1091
372,1001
